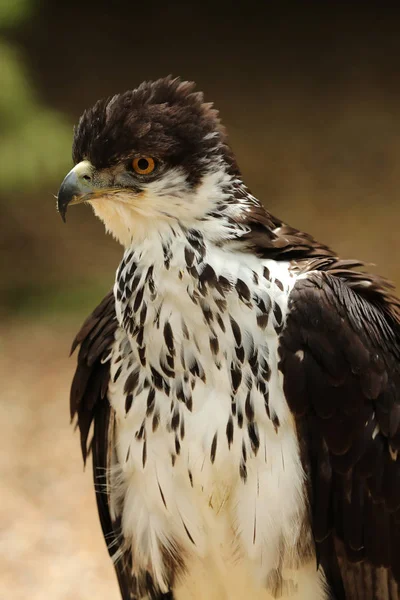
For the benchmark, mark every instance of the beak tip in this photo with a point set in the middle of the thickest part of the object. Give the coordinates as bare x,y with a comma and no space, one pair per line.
70,189
61,211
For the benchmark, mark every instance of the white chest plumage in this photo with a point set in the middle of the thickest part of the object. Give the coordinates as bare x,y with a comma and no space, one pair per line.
209,481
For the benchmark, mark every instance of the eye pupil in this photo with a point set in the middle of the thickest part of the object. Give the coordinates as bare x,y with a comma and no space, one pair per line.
143,164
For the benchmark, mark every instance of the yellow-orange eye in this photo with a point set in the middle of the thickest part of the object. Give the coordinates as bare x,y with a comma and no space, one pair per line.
143,165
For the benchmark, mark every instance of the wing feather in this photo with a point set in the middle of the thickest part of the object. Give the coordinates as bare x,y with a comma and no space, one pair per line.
339,355
89,403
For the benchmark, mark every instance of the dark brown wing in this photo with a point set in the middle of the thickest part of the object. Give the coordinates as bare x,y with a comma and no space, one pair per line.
340,357
90,404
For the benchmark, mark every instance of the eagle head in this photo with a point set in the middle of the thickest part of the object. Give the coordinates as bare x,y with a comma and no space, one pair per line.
149,157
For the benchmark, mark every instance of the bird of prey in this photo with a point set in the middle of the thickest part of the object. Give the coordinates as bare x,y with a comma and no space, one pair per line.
242,381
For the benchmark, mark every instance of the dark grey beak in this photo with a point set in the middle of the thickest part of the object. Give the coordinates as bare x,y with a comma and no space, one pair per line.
76,187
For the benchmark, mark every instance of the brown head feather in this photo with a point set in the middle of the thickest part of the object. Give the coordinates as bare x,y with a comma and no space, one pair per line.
165,119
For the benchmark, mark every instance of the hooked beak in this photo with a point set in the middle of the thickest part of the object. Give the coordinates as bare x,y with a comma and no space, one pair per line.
77,187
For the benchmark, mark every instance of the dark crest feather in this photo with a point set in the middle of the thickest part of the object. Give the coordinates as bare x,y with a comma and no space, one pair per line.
166,119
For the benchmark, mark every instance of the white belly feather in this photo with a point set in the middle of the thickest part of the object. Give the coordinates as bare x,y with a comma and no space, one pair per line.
220,488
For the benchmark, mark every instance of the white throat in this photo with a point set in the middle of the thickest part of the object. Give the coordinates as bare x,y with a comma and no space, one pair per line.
168,203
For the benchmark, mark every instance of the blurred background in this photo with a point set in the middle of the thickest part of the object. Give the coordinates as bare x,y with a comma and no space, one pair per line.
310,95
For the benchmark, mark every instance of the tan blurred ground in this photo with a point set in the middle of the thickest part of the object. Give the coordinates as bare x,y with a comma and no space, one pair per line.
51,547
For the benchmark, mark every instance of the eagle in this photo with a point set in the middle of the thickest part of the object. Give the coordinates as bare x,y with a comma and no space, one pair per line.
239,386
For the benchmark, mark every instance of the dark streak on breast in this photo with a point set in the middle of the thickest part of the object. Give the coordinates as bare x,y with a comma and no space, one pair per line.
213,447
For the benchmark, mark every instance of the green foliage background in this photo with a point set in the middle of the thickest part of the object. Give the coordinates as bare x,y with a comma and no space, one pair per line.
34,137
35,147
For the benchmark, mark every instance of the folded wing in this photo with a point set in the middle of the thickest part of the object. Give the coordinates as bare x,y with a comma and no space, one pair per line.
340,357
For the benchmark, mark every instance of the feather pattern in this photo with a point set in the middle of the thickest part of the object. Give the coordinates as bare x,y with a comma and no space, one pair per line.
343,468
241,380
